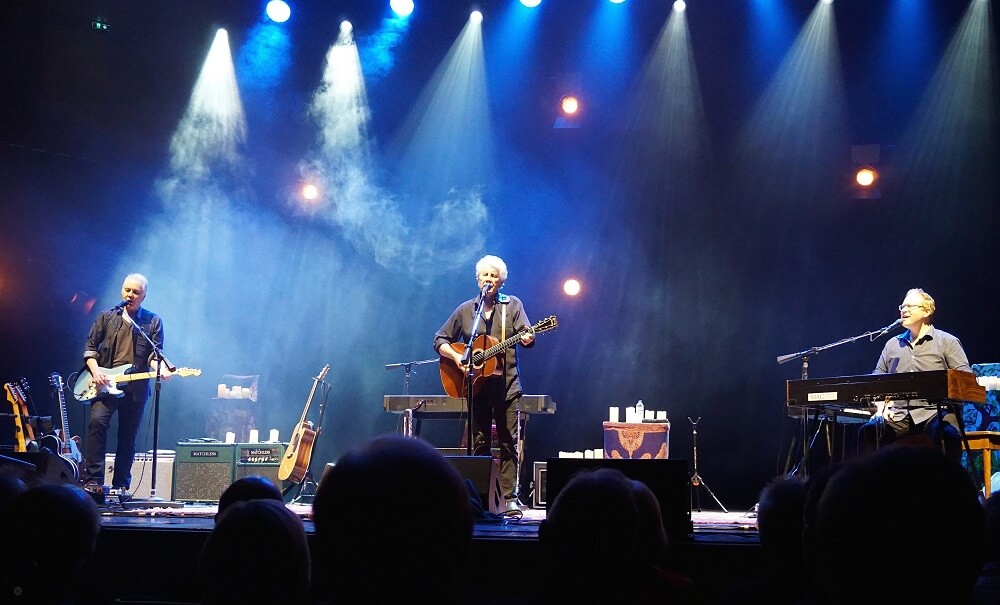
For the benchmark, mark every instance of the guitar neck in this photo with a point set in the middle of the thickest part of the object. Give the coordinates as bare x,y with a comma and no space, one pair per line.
500,346
131,377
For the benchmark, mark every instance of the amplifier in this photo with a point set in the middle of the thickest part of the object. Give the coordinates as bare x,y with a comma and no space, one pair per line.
142,474
538,485
202,471
260,459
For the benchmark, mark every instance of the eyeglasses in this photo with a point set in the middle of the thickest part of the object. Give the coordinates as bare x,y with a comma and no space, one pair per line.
902,307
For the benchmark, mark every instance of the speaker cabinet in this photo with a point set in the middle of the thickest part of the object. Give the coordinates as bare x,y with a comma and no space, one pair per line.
668,479
142,474
484,472
202,471
43,465
259,459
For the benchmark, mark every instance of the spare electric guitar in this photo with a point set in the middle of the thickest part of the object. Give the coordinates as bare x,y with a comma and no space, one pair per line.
485,359
24,434
69,447
295,463
85,389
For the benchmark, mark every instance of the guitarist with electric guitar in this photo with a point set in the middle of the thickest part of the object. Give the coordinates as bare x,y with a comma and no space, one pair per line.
496,388
114,341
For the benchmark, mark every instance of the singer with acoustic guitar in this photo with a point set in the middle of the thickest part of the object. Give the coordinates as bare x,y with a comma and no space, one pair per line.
112,342
498,389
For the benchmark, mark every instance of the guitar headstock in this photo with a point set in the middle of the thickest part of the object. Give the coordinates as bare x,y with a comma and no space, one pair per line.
323,372
20,390
56,381
549,323
188,372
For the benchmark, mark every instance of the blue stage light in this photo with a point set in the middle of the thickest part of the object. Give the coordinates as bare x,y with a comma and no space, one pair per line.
278,11
531,3
402,8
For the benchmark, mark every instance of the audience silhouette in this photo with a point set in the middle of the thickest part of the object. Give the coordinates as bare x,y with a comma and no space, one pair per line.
904,526
253,487
987,589
599,545
780,511
52,532
372,546
265,532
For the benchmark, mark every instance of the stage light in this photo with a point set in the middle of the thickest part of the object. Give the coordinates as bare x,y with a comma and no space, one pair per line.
309,192
531,3
617,1
570,105
680,6
866,176
571,287
346,27
827,1
278,11
402,8
476,17
870,162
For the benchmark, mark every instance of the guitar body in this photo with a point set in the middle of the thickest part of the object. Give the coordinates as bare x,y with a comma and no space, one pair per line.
295,462
453,377
55,445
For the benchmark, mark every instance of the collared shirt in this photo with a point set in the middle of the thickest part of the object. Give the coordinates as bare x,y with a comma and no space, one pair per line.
104,342
935,350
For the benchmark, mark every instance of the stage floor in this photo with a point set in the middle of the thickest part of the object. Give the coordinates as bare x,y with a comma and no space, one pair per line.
151,554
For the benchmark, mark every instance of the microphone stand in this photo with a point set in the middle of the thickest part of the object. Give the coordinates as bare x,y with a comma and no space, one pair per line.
467,363
153,501
804,356
408,421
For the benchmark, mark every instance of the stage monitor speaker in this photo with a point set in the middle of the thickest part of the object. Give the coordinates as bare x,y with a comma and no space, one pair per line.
668,479
202,471
484,472
142,474
259,459
47,466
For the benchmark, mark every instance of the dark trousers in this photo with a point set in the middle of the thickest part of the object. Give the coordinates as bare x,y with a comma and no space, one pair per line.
490,407
130,409
942,428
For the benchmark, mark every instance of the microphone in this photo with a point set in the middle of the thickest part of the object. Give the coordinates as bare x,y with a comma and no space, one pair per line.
121,305
486,288
888,327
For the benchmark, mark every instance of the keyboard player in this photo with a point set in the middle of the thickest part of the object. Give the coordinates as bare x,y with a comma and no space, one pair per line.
921,348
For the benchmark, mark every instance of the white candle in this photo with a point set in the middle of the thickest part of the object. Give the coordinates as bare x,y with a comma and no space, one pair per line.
661,414
274,436
223,392
613,414
254,436
230,437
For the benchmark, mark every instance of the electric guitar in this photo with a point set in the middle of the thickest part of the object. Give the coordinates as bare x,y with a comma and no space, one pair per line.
85,389
295,463
485,359
69,447
24,435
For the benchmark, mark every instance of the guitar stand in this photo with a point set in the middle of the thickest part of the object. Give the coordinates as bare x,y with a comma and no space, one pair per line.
306,489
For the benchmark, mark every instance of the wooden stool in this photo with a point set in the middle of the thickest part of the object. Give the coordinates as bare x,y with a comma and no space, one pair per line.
987,441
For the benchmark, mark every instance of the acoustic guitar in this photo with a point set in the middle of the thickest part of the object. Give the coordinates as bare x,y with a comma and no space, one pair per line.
295,463
484,360
85,389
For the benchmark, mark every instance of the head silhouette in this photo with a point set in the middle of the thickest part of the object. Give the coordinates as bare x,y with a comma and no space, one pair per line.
362,510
